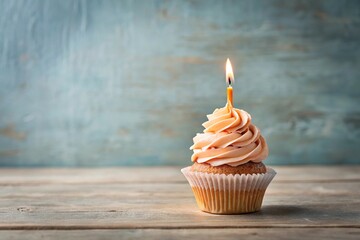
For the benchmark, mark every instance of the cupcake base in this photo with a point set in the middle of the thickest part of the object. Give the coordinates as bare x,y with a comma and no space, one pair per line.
228,202
229,194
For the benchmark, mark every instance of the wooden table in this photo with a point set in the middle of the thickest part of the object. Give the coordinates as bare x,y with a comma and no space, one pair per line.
157,203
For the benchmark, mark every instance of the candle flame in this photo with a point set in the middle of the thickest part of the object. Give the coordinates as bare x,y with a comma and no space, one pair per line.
229,72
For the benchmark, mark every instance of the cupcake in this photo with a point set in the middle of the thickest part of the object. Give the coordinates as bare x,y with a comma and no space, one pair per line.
228,175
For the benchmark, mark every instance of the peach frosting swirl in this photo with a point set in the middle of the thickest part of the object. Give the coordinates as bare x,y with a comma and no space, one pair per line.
229,138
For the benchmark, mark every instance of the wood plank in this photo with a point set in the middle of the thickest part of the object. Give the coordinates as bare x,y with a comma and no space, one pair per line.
94,206
37,176
209,234
169,191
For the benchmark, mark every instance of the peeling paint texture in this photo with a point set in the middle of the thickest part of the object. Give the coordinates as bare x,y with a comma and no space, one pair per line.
106,83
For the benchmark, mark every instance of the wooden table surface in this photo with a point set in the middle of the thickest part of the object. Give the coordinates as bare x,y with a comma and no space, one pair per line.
157,203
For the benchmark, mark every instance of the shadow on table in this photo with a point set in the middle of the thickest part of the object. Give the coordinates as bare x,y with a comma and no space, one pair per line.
284,210
308,212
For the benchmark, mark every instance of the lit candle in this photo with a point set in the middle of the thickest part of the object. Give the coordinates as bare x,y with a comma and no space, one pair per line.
229,79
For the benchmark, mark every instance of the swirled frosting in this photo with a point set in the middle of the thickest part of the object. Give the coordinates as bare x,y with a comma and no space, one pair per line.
229,138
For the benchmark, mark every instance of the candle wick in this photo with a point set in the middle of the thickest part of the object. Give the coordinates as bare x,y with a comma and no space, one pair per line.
229,79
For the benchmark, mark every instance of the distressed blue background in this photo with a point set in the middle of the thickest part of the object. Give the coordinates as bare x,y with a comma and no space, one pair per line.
103,83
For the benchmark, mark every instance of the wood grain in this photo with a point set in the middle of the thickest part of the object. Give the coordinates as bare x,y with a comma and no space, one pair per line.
156,203
39,176
135,202
206,234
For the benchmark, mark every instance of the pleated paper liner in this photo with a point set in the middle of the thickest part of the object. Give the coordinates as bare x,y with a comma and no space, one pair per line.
229,194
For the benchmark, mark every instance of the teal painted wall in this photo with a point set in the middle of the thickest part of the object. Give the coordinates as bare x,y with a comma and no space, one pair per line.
104,83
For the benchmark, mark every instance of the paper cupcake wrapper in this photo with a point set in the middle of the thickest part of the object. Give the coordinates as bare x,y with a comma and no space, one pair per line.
229,194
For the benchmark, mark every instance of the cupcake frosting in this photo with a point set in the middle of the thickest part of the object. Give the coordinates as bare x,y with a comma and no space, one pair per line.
229,138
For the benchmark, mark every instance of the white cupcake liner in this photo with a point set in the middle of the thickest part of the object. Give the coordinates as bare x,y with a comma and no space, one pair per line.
229,194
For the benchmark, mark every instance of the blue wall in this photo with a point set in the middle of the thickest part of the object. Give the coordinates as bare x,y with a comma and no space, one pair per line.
103,83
